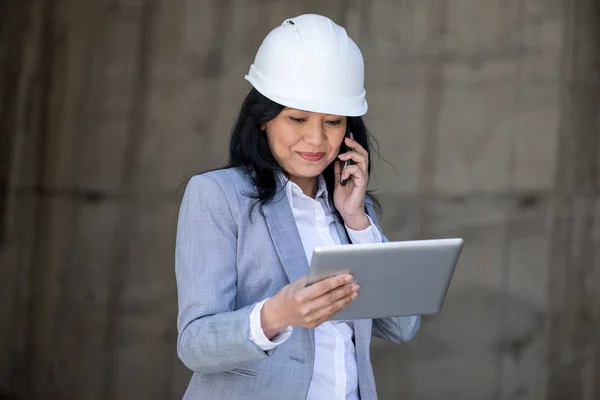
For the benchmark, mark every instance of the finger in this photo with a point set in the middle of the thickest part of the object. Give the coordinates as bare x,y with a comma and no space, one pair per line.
353,170
356,146
300,282
325,313
354,156
320,288
334,296
294,288
310,308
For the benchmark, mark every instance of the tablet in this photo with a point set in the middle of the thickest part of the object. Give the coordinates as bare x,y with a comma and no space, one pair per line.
396,278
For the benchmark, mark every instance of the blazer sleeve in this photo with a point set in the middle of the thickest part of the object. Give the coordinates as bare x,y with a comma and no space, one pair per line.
395,329
212,336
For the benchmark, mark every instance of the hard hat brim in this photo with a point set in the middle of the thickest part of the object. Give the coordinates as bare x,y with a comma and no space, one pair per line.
350,107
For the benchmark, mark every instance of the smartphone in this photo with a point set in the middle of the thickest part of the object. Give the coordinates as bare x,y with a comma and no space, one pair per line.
343,149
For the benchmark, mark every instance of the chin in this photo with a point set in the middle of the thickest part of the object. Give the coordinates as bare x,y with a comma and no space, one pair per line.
310,171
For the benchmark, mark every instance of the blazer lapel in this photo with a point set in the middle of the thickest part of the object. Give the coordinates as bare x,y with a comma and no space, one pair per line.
285,236
362,338
339,226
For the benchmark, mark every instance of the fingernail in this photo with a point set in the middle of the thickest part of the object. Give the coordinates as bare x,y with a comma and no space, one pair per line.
354,295
348,278
355,288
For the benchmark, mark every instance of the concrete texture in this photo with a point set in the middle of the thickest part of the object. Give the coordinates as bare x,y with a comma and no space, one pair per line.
486,109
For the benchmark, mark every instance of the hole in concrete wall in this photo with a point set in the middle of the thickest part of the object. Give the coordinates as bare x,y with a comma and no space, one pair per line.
527,202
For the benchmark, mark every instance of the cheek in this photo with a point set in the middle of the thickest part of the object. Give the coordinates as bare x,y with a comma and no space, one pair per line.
335,141
281,140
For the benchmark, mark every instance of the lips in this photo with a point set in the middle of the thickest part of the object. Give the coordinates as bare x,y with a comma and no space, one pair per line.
311,156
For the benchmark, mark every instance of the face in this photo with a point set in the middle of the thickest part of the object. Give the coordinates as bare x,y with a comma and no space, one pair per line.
304,143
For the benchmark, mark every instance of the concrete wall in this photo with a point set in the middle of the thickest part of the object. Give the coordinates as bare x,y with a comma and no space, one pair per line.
487,111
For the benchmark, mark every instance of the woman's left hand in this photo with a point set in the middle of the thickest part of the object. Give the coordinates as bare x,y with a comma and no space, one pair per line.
349,199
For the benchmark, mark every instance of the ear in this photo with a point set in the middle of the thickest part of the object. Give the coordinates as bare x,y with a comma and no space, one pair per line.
263,127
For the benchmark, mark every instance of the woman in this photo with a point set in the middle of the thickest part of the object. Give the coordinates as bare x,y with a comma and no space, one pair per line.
248,326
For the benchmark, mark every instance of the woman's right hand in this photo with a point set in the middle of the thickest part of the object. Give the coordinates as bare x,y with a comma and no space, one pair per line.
307,306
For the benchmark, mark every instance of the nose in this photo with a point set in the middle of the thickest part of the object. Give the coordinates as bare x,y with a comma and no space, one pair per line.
314,134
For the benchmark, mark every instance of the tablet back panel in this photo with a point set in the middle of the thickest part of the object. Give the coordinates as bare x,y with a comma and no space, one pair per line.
396,278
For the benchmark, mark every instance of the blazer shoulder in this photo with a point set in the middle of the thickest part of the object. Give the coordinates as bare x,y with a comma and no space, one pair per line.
215,192
223,187
228,178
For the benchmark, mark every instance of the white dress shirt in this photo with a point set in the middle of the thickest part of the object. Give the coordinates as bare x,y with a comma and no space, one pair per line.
334,374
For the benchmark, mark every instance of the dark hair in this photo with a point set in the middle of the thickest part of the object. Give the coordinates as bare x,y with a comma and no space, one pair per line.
250,151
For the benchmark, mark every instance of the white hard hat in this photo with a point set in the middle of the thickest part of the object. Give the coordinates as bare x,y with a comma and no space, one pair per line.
310,63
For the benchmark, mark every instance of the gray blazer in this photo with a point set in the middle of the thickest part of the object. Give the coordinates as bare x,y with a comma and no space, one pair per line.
226,262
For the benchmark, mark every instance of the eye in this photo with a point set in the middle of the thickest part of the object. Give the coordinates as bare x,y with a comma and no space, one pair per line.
297,120
334,122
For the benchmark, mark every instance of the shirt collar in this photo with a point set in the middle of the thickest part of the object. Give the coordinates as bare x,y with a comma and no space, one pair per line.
292,190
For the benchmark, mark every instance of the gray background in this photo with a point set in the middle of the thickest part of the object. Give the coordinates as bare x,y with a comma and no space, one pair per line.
487,109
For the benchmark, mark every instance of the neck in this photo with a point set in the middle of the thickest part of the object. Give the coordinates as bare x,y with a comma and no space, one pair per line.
307,185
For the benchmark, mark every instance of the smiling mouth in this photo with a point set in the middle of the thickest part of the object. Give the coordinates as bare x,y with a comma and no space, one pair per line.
311,156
